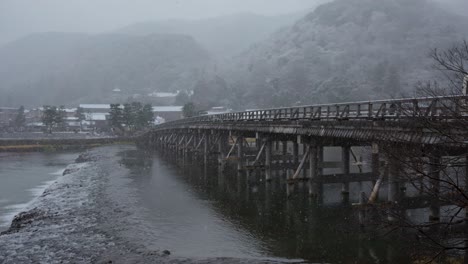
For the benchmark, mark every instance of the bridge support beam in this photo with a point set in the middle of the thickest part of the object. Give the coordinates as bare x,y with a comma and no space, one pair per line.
345,167
393,185
240,153
434,174
285,153
205,148
295,152
222,143
313,170
375,162
268,148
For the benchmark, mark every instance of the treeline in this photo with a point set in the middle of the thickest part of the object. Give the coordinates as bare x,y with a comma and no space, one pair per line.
132,116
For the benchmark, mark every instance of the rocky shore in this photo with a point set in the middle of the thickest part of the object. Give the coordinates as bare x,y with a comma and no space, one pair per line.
75,220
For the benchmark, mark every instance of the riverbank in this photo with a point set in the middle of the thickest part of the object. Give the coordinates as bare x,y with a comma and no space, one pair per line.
57,144
76,220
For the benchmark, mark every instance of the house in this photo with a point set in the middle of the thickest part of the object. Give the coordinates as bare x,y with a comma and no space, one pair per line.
218,110
7,115
168,113
95,108
96,121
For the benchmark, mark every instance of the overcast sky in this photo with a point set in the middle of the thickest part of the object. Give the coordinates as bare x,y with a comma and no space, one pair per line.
21,17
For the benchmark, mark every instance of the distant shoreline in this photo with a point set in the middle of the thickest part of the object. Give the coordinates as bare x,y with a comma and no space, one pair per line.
57,144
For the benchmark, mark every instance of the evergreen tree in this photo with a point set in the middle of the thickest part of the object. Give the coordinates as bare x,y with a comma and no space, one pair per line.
127,116
49,117
116,116
189,110
20,119
147,116
80,115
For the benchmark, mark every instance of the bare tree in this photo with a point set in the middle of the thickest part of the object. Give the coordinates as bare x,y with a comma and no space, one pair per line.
436,173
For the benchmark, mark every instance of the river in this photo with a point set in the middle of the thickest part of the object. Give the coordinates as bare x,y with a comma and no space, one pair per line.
194,212
197,211
24,176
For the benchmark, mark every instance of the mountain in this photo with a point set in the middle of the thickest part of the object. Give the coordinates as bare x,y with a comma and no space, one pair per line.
61,68
222,36
346,50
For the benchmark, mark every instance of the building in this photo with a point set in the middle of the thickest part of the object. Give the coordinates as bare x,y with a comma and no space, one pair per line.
7,115
168,113
218,110
95,108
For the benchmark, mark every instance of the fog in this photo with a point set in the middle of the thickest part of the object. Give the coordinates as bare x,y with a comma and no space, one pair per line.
21,17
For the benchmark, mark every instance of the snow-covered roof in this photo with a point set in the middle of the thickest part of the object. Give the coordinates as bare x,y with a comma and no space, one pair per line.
71,118
70,110
116,90
35,124
73,123
163,94
95,106
167,108
96,116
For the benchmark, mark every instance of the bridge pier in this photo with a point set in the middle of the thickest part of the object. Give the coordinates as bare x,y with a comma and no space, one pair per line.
268,149
313,170
434,175
393,185
345,168
240,153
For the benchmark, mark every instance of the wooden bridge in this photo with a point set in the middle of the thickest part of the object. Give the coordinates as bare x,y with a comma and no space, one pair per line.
292,140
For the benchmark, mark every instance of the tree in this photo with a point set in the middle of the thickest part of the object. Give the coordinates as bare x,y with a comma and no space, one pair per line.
189,110
146,115
127,116
20,119
52,116
60,117
441,175
182,98
137,116
116,116
80,115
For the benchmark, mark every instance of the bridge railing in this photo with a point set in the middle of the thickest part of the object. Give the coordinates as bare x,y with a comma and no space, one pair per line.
433,108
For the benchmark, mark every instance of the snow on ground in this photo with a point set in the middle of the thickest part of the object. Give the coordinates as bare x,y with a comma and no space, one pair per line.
75,221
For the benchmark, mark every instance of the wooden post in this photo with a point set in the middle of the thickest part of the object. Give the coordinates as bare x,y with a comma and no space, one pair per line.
306,146
295,153
392,189
393,181
375,163
205,149
345,167
362,210
284,153
240,153
434,174
222,150
466,205
268,146
320,160
313,170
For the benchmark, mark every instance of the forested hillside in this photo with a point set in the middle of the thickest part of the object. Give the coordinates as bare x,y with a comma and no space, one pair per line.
346,50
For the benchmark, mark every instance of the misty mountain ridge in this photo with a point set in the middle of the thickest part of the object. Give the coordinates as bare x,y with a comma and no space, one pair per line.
347,50
344,50
66,68
223,36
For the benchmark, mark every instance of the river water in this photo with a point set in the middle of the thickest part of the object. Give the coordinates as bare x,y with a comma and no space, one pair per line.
199,212
24,176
